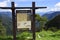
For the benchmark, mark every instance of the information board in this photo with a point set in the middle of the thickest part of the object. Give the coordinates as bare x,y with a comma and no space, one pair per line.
23,19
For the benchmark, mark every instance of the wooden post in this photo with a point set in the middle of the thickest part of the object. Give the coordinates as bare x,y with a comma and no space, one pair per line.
13,21
33,20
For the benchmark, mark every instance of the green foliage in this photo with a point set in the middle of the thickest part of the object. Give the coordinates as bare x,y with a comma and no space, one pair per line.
24,36
48,35
53,29
6,38
44,35
2,29
39,18
42,21
54,23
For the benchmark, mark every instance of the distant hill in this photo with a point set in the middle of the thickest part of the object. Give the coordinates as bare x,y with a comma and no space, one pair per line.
6,18
50,15
9,14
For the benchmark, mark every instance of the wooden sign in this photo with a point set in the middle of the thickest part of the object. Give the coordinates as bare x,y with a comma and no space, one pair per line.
23,19
13,8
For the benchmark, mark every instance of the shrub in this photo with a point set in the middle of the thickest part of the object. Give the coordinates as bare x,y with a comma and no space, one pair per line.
23,36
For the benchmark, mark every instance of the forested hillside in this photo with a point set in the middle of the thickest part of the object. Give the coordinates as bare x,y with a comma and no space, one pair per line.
2,29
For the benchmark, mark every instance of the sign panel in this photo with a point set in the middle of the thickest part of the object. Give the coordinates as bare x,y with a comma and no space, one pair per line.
23,19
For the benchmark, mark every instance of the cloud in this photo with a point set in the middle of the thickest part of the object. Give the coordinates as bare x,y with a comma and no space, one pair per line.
42,10
56,7
3,4
1,10
16,5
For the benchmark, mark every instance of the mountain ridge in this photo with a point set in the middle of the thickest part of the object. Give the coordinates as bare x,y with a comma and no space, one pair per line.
51,15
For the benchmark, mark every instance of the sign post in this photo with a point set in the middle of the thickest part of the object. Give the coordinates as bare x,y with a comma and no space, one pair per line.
14,17
33,20
13,20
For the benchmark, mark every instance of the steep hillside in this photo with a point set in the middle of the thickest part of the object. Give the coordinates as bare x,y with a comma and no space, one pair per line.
55,22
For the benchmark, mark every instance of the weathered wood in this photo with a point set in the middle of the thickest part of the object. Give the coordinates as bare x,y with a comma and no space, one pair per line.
13,21
29,7
33,20
22,7
5,7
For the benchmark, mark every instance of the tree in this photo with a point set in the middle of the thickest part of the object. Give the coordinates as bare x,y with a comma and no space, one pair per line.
38,17
41,21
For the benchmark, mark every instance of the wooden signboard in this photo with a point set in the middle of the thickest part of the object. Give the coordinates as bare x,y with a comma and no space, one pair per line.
23,19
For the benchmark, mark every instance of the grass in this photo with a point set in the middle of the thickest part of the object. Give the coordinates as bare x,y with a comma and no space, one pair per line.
48,35
43,35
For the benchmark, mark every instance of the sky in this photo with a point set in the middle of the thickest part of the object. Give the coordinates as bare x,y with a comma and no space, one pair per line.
52,5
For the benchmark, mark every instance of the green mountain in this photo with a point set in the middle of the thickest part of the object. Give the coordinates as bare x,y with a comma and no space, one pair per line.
55,23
